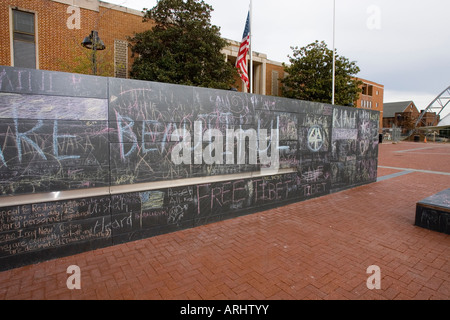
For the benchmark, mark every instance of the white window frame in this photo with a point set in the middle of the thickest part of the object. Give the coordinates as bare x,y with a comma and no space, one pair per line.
11,32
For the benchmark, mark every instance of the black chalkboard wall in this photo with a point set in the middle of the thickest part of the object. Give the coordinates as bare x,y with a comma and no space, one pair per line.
219,154
433,213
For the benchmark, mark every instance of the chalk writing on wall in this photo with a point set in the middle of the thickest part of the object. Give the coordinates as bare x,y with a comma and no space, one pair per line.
30,81
433,219
434,212
53,131
354,155
62,132
44,226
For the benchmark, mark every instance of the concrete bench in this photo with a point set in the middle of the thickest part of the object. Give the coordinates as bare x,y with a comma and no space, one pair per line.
433,213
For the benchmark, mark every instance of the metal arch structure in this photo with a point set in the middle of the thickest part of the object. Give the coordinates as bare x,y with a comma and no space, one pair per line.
438,105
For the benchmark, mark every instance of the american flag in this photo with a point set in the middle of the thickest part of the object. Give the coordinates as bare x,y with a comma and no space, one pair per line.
241,62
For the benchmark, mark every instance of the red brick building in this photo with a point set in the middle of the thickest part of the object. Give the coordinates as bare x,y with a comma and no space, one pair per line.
372,97
47,34
400,114
404,115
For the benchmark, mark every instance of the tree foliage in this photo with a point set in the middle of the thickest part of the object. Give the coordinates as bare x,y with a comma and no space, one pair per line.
310,76
183,47
82,60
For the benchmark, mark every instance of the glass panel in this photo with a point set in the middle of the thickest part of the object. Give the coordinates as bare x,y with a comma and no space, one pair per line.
23,21
23,37
24,54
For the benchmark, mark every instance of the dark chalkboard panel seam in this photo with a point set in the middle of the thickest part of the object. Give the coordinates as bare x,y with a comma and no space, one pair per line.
7,201
196,181
295,109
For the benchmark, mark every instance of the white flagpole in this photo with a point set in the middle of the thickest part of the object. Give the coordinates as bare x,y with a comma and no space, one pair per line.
251,45
334,53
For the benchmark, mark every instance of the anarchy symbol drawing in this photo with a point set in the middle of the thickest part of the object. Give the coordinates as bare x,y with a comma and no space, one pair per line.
315,138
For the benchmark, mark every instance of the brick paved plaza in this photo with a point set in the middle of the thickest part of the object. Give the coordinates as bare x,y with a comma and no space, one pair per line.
318,249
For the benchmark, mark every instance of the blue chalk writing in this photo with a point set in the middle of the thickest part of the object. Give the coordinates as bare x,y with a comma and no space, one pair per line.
125,131
23,137
2,158
148,133
55,143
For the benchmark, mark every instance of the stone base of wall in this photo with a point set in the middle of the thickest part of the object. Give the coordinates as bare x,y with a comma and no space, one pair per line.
433,213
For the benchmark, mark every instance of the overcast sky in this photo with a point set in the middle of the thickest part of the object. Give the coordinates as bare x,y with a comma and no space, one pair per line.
402,44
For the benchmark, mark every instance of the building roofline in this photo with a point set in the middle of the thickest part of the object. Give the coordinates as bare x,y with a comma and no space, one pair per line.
95,5
121,8
405,102
370,82
392,108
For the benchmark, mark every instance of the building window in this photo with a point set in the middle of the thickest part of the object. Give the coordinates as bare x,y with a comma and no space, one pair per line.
364,89
24,39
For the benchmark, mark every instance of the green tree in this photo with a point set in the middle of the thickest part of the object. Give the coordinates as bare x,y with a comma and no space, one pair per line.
183,47
82,62
310,76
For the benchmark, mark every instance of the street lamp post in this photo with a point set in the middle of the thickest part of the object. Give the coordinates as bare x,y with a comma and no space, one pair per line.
94,43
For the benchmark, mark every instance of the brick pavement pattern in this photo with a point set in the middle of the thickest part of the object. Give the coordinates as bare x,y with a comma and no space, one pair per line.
318,249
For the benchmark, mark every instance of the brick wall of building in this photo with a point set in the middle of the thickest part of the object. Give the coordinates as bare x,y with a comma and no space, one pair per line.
371,98
59,42
274,74
119,25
